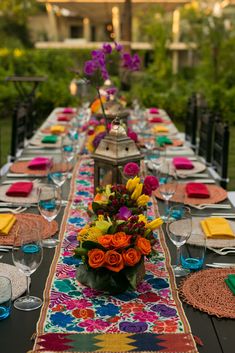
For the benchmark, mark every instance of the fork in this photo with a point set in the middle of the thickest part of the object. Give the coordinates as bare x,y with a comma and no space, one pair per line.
203,206
14,210
223,251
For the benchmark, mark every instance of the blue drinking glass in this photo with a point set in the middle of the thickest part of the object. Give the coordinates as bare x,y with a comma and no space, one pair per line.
5,297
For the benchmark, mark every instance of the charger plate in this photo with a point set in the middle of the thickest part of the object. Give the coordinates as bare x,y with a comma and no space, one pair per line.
198,167
29,226
206,290
18,279
21,167
217,194
31,198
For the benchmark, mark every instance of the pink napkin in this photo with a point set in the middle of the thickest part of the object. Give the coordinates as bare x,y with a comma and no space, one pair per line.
21,189
68,111
153,111
39,163
197,190
182,163
63,118
156,119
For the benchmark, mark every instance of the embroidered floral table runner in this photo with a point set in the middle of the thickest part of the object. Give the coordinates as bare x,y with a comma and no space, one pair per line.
75,318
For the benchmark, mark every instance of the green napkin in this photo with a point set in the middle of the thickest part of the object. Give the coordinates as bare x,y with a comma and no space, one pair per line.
163,140
230,281
49,139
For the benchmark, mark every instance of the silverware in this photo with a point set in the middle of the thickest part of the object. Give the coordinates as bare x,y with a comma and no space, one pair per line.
215,206
223,251
223,215
196,175
221,265
16,175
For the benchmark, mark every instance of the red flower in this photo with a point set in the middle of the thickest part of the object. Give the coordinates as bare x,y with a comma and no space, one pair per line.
131,169
151,182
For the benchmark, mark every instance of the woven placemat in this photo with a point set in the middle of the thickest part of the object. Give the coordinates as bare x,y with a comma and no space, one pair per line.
29,226
31,198
18,279
197,236
198,167
217,194
206,290
21,167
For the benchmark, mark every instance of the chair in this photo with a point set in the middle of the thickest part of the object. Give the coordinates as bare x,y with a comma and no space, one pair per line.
220,152
206,131
191,121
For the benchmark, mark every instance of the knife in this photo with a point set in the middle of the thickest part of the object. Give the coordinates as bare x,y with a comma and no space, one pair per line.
15,175
223,215
221,265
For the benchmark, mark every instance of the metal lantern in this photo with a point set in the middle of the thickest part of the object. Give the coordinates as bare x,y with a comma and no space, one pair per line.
114,151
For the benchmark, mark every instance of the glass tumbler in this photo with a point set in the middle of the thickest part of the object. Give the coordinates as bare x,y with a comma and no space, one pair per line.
5,297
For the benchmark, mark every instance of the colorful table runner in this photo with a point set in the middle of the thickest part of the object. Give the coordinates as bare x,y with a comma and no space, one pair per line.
75,318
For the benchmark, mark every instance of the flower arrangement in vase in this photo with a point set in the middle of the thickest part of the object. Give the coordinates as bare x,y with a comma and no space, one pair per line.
113,252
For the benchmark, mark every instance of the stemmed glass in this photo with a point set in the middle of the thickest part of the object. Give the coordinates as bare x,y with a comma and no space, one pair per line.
179,229
58,172
167,184
49,204
27,256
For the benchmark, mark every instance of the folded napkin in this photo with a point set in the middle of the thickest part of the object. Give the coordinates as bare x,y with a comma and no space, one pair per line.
20,188
163,140
160,128
68,111
63,118
39,163
156,119
197,190
230,281
49,139
57,129
216,227
153,111
182,163
6,222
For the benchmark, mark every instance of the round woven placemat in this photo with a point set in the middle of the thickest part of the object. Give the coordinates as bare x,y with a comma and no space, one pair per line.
29,226
198,167
18,279
31,198
206,290
21,167
217,194
197,236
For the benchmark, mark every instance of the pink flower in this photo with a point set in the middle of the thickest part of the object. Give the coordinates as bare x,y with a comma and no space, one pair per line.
77,303
151,182
94,325
145,316
132,135
131,169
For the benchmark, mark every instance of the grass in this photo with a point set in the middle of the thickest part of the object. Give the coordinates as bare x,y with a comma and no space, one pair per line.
5,138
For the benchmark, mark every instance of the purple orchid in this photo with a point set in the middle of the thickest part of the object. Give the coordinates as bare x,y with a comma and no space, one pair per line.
118,47
107,49
89,68
98,138
111,90
124,213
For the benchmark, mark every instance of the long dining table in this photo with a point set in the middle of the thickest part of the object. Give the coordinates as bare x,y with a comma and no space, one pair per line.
19,330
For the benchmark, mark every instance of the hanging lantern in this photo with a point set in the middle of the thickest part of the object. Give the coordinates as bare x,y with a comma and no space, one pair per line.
114,151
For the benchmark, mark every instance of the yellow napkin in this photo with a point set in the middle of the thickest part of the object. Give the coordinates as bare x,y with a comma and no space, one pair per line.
6,222
57,129
216,227
160,128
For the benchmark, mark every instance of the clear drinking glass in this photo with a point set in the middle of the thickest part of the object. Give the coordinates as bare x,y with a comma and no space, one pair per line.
49,204
5,297
58,172
179,229
27,256
167,185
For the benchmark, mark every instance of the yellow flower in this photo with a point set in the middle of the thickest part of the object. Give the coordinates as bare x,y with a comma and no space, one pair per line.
99,129
100,217
131,183
4,51
91,233
137,192
103,226
18,53
142,218
154,224
82,232
142,200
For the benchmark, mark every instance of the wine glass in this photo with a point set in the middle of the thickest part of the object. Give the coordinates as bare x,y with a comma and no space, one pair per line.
167,184
179,229
58,172
49,204
27,256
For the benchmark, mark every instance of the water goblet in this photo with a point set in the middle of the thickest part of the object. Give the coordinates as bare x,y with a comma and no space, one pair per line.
58,172
179,229
49,204
27,256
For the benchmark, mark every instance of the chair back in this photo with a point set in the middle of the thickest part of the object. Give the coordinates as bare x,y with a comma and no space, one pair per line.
191,121
220,151
18,134
206,135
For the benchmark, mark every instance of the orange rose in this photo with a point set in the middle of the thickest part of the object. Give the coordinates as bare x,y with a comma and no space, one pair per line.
144,245
113,261
131,257
96,258
120,240
105,240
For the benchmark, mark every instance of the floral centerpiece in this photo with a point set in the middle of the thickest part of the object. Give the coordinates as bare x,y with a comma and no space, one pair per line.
120,201
113,252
